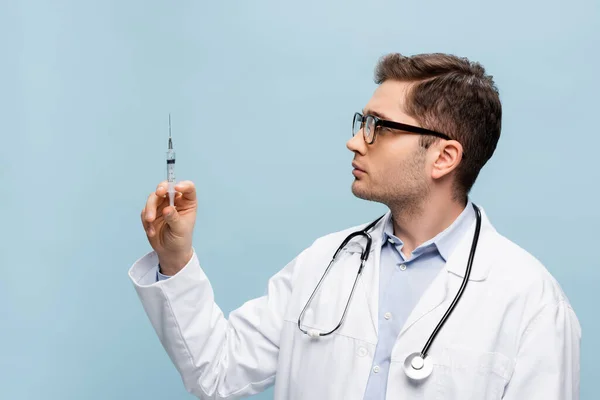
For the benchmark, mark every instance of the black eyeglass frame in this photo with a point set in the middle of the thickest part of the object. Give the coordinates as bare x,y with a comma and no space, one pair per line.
393,125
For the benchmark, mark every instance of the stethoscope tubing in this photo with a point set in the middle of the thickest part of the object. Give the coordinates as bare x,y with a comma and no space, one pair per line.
364,257
462,286
364,232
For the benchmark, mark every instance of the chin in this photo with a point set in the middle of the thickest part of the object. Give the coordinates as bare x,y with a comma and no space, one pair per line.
360,191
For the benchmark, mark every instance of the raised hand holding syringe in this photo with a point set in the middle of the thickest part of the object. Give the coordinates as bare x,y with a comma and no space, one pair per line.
171,168
169,222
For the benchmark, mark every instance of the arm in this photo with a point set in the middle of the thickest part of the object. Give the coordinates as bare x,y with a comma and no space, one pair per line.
216,358
547,365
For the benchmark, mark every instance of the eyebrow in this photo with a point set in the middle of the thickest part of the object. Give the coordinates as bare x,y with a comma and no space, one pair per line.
375,113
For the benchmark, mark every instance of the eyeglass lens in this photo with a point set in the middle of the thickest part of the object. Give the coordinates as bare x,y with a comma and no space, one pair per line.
367,122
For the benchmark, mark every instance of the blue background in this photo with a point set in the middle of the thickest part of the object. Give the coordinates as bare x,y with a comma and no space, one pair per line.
261,95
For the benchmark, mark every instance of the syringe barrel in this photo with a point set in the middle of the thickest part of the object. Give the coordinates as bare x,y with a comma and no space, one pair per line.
171,166
170,172
171,182
171,155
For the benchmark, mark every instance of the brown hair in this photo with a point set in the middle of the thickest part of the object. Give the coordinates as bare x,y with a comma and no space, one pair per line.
454,96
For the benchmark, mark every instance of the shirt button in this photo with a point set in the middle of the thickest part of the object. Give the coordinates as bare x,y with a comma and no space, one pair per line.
391,240
387,315
376,369
362,352
402,267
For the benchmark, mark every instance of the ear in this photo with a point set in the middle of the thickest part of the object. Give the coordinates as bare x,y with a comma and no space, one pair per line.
448,154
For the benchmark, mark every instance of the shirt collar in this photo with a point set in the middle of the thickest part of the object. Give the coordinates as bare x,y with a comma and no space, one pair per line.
444,242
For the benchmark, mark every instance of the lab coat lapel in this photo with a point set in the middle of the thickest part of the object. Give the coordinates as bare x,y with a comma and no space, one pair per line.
433,296
370,277
370,285
437,293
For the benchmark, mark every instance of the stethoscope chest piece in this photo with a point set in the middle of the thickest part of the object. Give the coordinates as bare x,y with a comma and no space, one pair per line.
418,368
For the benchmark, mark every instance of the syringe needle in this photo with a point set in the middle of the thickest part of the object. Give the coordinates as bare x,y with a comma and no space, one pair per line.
170,141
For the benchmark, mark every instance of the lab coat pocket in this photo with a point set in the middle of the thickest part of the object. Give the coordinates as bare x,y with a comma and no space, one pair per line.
468,373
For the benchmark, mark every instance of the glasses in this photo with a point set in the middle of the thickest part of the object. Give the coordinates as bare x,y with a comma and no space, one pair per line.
370,123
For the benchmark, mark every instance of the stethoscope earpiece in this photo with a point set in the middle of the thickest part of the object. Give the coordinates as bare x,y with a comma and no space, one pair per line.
418,368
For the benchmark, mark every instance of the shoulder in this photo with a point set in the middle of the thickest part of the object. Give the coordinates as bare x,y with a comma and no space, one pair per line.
334,239
523,276
311,261
323,247
532,296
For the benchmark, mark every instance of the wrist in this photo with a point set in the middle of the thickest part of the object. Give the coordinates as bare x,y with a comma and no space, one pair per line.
171,265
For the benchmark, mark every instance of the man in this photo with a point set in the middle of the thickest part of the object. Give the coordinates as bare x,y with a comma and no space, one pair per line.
419,144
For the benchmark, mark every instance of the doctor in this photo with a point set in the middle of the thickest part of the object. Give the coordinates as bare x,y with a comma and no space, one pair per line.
418,145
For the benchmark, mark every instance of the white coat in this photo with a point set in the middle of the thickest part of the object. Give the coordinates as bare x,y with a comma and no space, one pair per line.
512,336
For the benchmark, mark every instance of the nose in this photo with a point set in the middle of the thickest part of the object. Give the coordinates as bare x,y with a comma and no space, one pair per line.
357,143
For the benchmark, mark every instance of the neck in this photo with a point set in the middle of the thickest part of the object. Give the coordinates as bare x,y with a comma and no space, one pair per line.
420,223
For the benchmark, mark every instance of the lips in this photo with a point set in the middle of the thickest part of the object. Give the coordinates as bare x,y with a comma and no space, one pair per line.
357,167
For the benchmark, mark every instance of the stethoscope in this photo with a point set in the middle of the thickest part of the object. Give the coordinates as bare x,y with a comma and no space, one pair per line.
417,366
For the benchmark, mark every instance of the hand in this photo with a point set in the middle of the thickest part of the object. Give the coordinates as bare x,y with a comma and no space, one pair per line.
169,229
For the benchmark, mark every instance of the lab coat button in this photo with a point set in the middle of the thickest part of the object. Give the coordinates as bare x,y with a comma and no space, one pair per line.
376,369
362,352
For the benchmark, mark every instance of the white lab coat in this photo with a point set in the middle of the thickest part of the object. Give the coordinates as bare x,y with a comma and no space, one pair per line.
512,336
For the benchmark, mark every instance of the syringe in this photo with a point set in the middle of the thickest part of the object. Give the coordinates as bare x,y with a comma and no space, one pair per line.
171,168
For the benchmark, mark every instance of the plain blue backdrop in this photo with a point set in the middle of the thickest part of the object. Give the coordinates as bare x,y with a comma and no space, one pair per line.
261,95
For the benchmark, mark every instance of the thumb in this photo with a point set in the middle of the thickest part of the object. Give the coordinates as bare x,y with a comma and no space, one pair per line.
172,217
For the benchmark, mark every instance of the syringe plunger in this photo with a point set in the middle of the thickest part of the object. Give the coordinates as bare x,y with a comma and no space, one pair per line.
171,192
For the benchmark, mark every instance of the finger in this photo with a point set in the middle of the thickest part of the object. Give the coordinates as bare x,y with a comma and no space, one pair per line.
151,205
147,226
162,203
172,217
166,198
187,189
161,189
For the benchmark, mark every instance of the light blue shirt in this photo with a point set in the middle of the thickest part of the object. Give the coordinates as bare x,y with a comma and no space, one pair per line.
402,281
159,276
